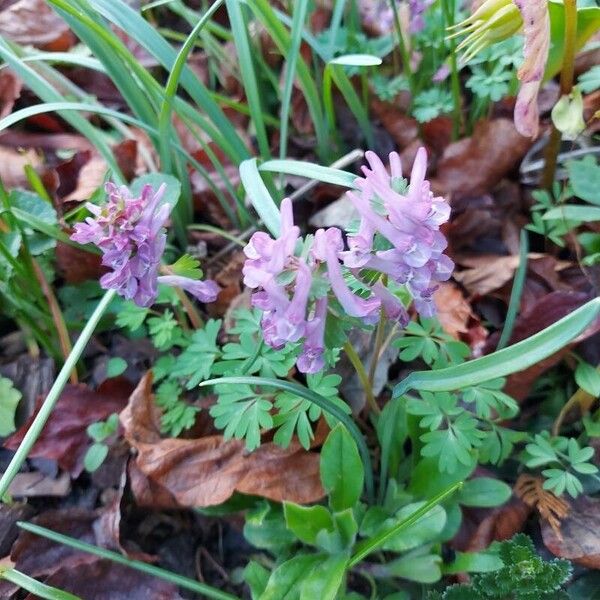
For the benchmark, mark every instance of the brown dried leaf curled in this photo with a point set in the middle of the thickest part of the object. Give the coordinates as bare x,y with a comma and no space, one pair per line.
551,508
208,470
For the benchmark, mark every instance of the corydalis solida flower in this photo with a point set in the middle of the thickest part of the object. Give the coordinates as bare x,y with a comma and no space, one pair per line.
398,237
130,233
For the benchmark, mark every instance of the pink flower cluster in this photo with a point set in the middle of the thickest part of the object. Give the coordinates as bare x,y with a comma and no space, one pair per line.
398,237
130,233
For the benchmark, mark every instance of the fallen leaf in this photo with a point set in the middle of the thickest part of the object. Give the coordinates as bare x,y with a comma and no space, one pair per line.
35,484
34,23
64,438
208,470
105,579
402,128
10,90
76,265
488,273
552,509
77,572
12,166
475,165
90,177
9,515
580,542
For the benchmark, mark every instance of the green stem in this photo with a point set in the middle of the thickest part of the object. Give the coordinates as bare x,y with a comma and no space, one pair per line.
379,337
404,51
449,12
362,376
566,86
53,395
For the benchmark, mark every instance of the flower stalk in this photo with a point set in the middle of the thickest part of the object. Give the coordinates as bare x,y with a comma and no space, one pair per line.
566,86
49,403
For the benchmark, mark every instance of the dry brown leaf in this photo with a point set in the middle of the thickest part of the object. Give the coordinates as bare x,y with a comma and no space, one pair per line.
580,541
90,178
453,311
12,165
64,438
208,470
475,165
33,22
10,90
551,508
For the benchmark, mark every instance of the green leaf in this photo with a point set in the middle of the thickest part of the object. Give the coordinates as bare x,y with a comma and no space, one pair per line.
473,562
163,330
356,60
94,457
417,567
588,378
256,576
584,177
287,578
325,579
322,402
9,400
341,469
513,359
33,586
131,316
187,266
484,491
242,413
588,22
426,529
115,366
310,171
379,540
172,193
259,196
305,522
265,528
573,212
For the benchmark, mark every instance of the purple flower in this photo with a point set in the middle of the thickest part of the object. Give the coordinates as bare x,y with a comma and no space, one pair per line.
417,8
408,218
130,232
312,360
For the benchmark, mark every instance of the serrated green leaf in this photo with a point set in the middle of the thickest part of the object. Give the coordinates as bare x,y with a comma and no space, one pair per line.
187,266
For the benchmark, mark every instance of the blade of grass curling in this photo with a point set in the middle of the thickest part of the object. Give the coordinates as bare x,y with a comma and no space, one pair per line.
244,52
368,546
259,195
184,582
299,17
41,590
509,360
310,171
516,292
322,402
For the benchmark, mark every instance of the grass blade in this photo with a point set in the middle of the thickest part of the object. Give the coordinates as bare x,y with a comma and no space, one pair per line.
298,21
368,546
245,54
322,402
310,171
509,360
516,292
33,586
184,582
259,195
